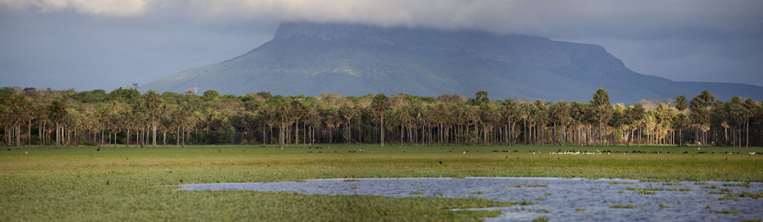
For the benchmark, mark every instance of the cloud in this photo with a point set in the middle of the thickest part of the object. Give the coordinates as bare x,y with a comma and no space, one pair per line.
495,15
93,7
717,40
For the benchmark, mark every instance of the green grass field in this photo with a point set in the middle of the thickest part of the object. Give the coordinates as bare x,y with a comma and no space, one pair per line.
139,184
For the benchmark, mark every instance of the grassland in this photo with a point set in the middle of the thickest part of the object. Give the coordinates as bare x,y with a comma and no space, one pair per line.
139,184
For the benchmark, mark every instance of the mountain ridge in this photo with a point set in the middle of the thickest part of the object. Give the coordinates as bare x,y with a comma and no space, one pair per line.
354,59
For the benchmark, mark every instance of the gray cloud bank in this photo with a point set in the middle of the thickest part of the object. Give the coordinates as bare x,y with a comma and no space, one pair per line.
698,40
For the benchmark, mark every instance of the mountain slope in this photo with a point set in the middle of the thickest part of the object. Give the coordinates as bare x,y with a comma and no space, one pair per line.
312,58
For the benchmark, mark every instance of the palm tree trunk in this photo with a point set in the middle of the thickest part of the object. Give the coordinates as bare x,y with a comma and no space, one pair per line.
296,132
153,125
381,129
40,129
747,126
58,138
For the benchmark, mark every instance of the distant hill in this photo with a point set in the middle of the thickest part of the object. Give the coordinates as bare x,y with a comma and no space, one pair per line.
315,58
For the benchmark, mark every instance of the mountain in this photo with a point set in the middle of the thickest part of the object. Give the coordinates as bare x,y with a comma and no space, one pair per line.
352,59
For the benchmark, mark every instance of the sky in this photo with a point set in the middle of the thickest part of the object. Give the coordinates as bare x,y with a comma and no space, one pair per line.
105,44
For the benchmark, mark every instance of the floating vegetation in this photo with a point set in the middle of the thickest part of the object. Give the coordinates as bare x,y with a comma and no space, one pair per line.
730,211
732,196
416,193
477,192
530,186
728,197
720,191
683,189
644,191
524,203
540,219
619,183
622,206
753,195
744,184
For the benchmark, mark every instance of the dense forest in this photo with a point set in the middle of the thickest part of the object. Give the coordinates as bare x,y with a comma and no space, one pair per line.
129,117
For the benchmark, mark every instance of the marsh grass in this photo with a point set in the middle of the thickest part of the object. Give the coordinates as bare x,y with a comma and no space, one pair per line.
735,196
140,184
752,195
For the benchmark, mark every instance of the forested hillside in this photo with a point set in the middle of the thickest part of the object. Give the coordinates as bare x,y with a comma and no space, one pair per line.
355,60
126,116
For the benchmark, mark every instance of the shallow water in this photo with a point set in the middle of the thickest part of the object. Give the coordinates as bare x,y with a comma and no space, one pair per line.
556,198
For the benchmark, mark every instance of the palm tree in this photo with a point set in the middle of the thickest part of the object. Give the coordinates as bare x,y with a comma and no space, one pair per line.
18,106
601,111
480,98
153,107
380,105
700,107
312,121
681,120
57,113
126,115
525,116
751,107
664,115
618,122
6,115
510,114
297,111
489,117
540,118
348,111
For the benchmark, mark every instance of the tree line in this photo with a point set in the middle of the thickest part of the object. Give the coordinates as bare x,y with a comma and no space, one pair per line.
128,117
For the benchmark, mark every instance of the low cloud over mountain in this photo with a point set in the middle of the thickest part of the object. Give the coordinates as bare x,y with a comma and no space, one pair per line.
352,59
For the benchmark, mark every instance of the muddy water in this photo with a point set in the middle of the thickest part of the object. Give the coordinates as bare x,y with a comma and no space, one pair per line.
557,199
